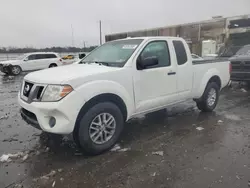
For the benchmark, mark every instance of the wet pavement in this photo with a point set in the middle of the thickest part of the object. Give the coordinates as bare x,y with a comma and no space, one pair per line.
163,149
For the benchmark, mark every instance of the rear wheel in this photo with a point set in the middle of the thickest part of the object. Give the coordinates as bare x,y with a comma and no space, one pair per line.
209,99
53,65
16,70
99,128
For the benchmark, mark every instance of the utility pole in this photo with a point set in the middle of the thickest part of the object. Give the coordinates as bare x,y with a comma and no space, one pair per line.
84,45
100,27
199,32
72,36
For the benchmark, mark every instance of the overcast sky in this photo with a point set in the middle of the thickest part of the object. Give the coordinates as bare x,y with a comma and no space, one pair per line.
46,23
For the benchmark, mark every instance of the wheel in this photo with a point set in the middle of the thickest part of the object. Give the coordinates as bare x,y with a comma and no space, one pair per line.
16,70
99,128
53,65
209,98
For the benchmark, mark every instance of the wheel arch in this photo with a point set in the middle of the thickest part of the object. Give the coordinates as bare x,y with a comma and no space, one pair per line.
53,64
215,79
105,97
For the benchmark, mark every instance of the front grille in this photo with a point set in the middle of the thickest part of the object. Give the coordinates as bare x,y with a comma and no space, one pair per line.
240,66
27,88
32,92
39,92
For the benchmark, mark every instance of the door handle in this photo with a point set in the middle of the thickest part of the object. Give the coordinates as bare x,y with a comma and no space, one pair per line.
171,73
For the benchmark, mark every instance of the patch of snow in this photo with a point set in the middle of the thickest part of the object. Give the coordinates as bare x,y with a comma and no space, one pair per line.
199,128
54,183
116,148
154,174
158,153
243,90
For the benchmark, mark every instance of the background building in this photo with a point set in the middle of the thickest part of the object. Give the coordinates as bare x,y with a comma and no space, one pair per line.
225,31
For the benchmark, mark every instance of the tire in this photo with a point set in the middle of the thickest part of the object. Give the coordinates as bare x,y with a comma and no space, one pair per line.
87,134
16,70
52,65
210,98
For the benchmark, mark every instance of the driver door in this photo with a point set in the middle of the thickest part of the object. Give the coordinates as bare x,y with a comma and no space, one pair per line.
155,86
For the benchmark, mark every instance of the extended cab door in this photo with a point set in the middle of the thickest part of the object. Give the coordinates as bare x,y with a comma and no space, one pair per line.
184,69
155,86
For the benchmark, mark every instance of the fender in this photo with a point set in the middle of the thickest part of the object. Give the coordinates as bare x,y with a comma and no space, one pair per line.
94,88
203,84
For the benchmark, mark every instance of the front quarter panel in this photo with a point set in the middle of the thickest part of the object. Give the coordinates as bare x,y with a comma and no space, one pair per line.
94,88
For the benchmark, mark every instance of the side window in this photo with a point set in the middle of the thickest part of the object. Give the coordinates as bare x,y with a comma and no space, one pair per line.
41,56
180,52
157,49
49,56
32,57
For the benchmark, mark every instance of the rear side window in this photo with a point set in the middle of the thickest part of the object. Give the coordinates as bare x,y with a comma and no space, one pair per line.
180,52
48,56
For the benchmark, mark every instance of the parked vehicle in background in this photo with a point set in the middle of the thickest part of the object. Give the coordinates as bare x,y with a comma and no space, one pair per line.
116,82
69,59
241,65
208,47
31,62
82,55
196,57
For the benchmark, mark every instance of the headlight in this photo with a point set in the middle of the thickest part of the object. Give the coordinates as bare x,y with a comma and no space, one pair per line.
56,92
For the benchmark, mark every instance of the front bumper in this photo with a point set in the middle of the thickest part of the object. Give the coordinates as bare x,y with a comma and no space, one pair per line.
240,76
7,69
65,112
30,118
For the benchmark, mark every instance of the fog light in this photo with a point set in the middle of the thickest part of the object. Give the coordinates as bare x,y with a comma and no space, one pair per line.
52,122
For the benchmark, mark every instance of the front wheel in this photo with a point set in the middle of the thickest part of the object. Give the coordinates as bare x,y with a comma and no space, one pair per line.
209,99
99,128
16,70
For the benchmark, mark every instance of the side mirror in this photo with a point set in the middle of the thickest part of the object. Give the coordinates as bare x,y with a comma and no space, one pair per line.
147,62
25,59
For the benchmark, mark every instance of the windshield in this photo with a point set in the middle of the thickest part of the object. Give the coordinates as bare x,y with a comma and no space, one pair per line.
114,53
235,51
245,50
21,57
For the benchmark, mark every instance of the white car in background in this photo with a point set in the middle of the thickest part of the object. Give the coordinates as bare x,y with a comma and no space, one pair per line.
31,62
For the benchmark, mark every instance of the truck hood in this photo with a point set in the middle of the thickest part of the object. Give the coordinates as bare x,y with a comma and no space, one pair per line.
65,74
240,58
12,62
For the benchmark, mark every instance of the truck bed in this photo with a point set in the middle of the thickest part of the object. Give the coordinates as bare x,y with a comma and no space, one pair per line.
197,62
203,70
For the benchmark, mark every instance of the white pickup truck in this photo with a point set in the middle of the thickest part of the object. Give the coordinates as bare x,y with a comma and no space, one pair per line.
116,82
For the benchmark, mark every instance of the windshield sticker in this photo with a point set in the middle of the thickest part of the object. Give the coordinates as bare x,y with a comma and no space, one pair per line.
131,46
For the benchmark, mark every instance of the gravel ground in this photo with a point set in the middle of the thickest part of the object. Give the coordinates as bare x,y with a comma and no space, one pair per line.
177,148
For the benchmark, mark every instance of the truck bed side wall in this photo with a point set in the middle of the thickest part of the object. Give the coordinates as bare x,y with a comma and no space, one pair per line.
203,72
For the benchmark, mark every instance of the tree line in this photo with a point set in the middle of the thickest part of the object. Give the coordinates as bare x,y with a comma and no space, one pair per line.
51,49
